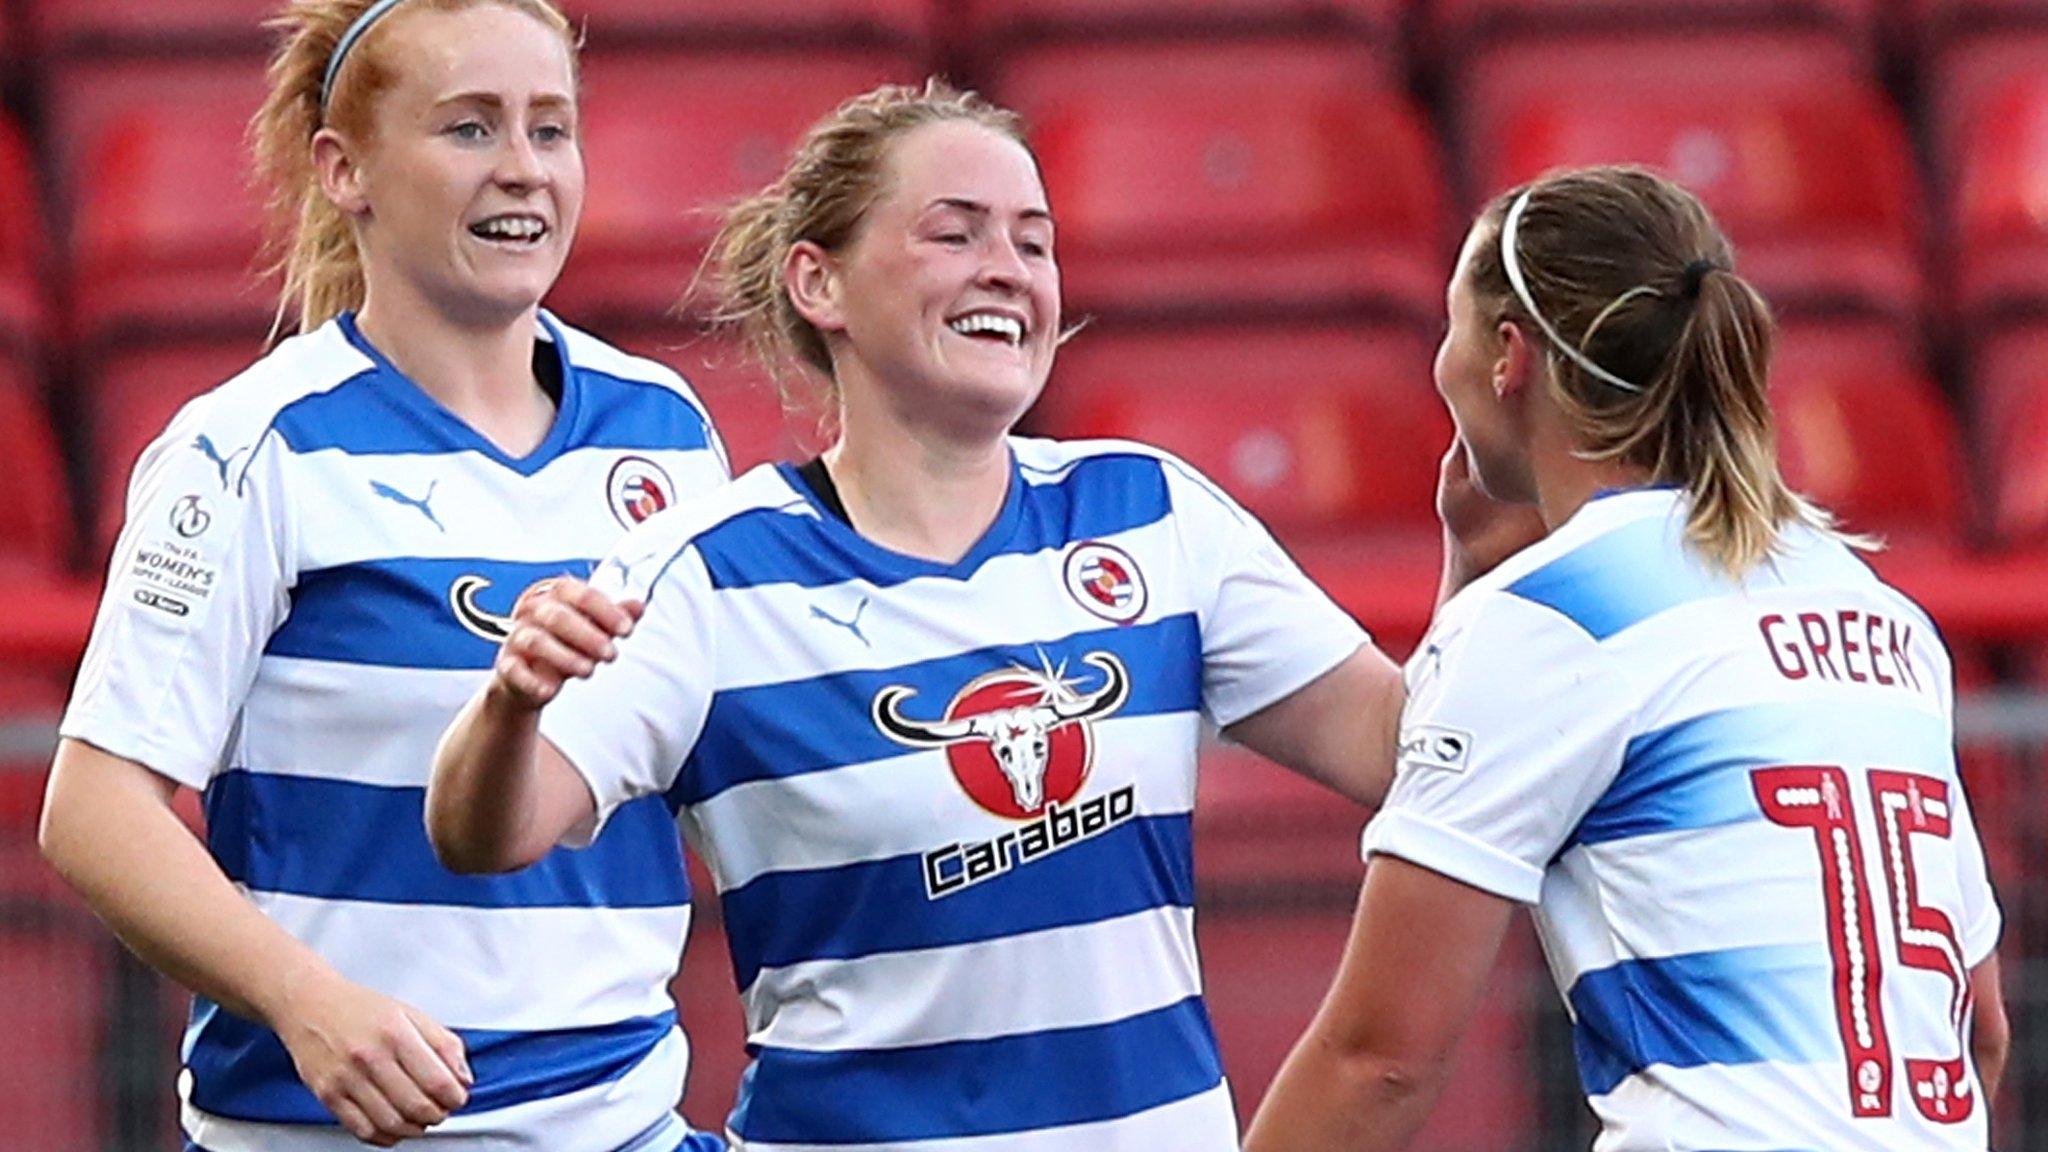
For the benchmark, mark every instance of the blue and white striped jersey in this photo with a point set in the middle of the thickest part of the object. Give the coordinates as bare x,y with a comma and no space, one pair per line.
947,805
313,578
1735,808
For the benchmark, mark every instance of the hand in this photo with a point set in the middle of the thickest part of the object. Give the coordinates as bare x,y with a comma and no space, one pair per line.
1479,531
562,629
385,1070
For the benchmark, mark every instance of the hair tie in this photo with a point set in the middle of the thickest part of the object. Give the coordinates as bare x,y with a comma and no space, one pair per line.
1695,272
1511,263
347,43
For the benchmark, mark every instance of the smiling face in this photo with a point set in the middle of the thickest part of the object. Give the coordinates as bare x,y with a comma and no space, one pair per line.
468,189
948,297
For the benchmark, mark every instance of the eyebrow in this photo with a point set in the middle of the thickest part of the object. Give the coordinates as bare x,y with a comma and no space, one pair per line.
494,100
977,208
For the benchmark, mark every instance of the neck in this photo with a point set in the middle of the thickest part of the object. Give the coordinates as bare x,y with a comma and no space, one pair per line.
1565,481
481,373
913,490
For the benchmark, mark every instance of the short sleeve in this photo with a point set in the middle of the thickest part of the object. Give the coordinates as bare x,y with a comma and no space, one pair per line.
628,728
201,577
1515,726
1267,630
1982,920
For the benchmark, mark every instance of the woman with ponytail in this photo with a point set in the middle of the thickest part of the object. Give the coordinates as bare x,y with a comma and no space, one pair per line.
319,561
1689,727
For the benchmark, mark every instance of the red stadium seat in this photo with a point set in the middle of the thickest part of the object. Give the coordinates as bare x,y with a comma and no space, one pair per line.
168,222
1317,429
23,311
745,404
35,519
82,26
2011,396
1227,178
1798,155
1991,127
669,139
998,24
610,22
1246,804
1456,26
133,395
54,963
1864,432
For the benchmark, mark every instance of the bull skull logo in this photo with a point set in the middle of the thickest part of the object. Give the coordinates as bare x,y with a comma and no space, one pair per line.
1021,718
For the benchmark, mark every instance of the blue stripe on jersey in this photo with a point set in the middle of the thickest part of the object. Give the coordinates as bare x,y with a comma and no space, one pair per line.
1101,496
777,731
242,1070
1695,773
783,918
307,836
1738,1006
1621,579
980,1087
403,613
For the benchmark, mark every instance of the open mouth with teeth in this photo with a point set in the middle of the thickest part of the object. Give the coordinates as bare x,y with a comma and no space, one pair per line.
520,231
992,326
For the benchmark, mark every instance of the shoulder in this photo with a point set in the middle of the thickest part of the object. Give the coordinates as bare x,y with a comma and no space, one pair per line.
760,495
1097,468
590,355
228,423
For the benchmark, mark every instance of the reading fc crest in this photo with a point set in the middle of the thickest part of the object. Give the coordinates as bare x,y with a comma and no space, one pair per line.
637,489
1105,580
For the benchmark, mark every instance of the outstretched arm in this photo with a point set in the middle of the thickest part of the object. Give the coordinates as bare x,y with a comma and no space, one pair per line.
1367,1072
502,797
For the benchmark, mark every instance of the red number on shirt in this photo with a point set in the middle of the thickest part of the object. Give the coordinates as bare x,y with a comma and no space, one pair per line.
1906,804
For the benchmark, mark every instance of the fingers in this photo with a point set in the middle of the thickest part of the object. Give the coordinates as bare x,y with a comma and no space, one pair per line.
448,1050
562,629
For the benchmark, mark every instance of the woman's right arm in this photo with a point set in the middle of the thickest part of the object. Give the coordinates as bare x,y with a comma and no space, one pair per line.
502,796
386,1071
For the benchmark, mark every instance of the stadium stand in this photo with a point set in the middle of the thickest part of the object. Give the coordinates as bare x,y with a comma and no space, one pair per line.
24,308
1990,127
2011,395
1784,136
744,402
166,222
1318,431
35,519
1232,179
154,27
729,120
905,23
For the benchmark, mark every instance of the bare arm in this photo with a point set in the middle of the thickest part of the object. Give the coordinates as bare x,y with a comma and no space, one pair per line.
1365,1075
1990,1031
501,796
1339,731
386,1071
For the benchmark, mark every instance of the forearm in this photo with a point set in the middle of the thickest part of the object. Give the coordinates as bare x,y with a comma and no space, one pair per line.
1990,1029
1329,1100
131,858
485,788
1340,730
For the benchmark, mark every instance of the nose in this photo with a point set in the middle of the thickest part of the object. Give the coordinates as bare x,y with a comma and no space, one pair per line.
519,164
1003,266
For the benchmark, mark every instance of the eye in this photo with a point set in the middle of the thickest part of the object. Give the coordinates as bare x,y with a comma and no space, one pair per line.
468,131
551,133
1037,249
952,239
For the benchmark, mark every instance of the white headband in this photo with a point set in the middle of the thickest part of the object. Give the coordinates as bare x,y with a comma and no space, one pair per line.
356,31
1512,263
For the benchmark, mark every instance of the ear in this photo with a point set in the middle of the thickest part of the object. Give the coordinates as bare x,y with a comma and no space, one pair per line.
1518,362
341,178
816,289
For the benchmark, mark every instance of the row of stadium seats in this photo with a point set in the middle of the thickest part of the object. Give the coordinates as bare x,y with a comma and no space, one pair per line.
1191,180
63,26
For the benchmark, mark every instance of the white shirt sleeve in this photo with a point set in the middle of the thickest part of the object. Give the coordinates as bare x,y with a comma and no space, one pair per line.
1267,629
1515,726
628,728
201,577
1982,920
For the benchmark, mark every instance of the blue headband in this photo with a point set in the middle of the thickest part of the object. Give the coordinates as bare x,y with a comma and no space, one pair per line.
342,47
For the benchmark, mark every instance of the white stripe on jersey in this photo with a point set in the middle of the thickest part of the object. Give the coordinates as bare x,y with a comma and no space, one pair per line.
483,957
1035,995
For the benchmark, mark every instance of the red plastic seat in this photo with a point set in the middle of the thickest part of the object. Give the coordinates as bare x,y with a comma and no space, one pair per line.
157,25
2011,399
745,404
1457,26
1217,179
1315,430
671,138
1795,151
35,519
168,220
1991,129
133,395
23,310
609,22
997,25
1863,431
54,962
